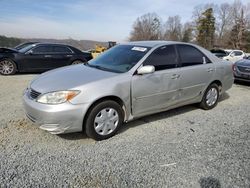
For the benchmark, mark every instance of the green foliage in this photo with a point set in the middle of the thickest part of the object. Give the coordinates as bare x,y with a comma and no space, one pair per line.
206,29
187,35
9,41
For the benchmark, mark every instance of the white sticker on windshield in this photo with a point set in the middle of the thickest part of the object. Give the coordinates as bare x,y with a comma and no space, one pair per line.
140,49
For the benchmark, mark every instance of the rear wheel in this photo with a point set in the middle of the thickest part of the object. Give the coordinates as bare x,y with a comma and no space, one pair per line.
77,62
7,67
103,120
210,98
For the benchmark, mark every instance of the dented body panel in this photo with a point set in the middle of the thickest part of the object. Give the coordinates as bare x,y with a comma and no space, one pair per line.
139,95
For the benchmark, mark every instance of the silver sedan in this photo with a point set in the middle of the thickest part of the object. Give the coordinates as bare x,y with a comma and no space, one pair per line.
126,82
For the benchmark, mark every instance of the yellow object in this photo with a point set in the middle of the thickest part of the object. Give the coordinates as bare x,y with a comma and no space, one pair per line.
100,49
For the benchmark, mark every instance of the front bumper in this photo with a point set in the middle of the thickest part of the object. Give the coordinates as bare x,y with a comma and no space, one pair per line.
57,119
242,77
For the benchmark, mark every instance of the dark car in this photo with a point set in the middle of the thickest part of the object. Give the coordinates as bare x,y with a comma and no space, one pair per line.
241,70
40,57
219,53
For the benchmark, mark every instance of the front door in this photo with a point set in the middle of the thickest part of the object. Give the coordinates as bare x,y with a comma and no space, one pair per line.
156,91
38,59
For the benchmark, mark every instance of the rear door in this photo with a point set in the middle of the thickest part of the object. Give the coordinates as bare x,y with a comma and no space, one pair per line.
152,92
61,56
196,72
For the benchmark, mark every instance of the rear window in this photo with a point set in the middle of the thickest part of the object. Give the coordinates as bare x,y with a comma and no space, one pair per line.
190,56
61,49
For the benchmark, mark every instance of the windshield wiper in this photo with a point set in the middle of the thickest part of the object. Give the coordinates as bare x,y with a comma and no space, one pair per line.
103,68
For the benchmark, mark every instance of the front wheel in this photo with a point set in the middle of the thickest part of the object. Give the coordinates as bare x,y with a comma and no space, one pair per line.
210,97
7,67
103,120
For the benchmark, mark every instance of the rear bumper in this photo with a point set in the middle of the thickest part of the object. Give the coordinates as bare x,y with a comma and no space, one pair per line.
57,119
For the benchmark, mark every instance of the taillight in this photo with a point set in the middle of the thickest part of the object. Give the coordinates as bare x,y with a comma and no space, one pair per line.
234,67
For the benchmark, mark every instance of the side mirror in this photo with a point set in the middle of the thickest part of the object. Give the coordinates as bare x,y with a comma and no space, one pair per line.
148,69
30,52
232,54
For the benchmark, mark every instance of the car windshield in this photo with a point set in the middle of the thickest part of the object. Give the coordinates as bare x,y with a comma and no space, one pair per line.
119,59
23,45
27,48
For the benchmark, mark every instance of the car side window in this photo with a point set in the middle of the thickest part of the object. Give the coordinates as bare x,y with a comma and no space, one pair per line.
237,53
163,58
42,49
190,56
61,49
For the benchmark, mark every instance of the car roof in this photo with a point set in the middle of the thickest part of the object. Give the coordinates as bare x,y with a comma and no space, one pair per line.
47,43
153,43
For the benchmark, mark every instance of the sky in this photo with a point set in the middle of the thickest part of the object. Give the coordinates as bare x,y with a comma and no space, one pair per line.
101,20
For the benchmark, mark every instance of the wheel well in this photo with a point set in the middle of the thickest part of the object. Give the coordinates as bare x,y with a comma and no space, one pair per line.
110,98
6,58
218,83
82,60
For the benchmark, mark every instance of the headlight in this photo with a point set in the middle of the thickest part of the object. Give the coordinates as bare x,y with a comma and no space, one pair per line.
57,97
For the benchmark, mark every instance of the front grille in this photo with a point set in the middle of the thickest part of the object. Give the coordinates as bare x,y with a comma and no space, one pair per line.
33,94
244,69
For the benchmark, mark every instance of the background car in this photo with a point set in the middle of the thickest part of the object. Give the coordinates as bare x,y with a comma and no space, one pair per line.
235,55
219,53
40,57
241,70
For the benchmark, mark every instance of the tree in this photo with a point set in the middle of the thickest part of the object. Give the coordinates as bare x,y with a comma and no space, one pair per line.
238,34
206,29
187,35
146,27
173,29
224,21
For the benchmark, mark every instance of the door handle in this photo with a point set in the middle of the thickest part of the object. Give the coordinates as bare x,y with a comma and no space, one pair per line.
210,70
175,76
69,55
47,56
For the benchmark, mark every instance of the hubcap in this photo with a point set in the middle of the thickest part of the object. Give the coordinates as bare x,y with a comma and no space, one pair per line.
6,67
212,96
106,121
76,62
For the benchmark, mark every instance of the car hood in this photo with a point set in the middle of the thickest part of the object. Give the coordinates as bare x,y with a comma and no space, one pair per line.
243,62
8,50
70,77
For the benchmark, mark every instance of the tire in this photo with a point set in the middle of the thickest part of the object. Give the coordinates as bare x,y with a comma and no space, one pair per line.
98,125
207,102
7,67
77,62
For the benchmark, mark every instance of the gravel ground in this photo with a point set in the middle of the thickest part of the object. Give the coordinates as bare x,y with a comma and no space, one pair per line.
185,147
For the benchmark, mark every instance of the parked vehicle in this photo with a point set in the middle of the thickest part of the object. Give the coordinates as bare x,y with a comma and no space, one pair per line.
126,82
242,70
235,55
219,53
100,49
40,57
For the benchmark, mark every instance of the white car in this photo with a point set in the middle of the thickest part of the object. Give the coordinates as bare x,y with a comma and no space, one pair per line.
235,55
